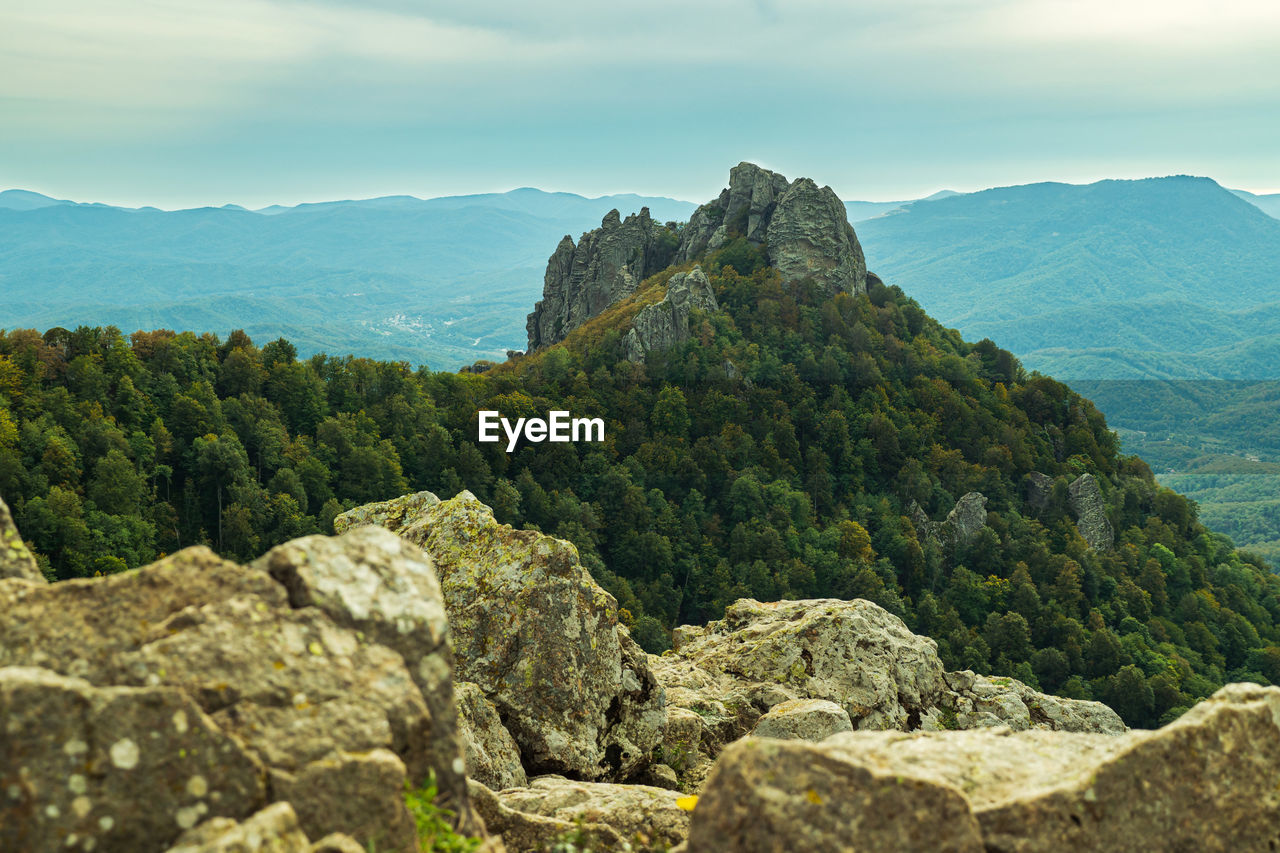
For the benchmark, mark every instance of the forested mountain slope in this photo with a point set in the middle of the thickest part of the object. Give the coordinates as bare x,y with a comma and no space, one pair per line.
775,452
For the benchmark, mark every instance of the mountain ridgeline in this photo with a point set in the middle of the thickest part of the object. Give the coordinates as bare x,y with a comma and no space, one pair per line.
779,424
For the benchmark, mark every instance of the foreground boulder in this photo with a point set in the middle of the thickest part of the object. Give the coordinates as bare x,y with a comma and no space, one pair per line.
1204,782
112,768
294,675
542,641
794,667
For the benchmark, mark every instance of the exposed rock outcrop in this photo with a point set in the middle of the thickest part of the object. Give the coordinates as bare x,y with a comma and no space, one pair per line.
16,559
805,229
220,663
542,640
605,265
1038,490
764,663
273,830
1091,513
966,518
666,324
1204,782
393,514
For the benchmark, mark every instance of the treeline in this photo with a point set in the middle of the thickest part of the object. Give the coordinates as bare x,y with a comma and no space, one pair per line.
775,455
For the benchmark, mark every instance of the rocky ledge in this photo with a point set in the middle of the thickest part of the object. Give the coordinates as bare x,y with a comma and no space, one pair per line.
203,706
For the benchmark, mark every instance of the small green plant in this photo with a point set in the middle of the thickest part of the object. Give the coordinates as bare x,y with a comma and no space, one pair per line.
435,834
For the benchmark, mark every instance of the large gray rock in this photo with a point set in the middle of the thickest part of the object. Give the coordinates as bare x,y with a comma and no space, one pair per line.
1038,490
853,653
666,324
805,719
112,768
605,266
542,639
976,701
777,796
16,559
1204,782
1091,513
295,686
526,832
765,661
384,587
805,229
647,817
393,514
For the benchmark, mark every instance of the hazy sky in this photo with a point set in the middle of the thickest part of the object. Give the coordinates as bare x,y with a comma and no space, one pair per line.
183,102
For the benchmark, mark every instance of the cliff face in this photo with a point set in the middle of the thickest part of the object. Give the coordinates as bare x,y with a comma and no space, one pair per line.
804,229
666,324
605,265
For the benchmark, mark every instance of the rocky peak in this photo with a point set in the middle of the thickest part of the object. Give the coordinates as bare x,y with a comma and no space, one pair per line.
605,265
805,229
666,324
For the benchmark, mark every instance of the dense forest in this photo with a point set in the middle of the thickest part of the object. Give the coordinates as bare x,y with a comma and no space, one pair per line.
774,455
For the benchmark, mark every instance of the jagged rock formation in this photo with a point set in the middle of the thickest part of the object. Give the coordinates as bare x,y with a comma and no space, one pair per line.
604,266
1091,513
16,559
723,680
666,324
144,703
1204,782
805,230
966,518
572,687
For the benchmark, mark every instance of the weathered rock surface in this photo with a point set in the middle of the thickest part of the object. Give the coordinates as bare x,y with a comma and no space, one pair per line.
112,768
273,830
306,689
16,559
853,653
1204,782
644,816
524,832
966,518
805,230
384,587
763,660
493,758
604,266
666,324
785,795
541,638
361,795
978,701
1091,513
393,514
804,719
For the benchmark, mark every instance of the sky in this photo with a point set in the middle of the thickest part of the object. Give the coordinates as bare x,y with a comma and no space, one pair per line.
188,102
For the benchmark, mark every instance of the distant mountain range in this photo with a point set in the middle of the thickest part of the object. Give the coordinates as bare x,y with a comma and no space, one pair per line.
1160,278
443,281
